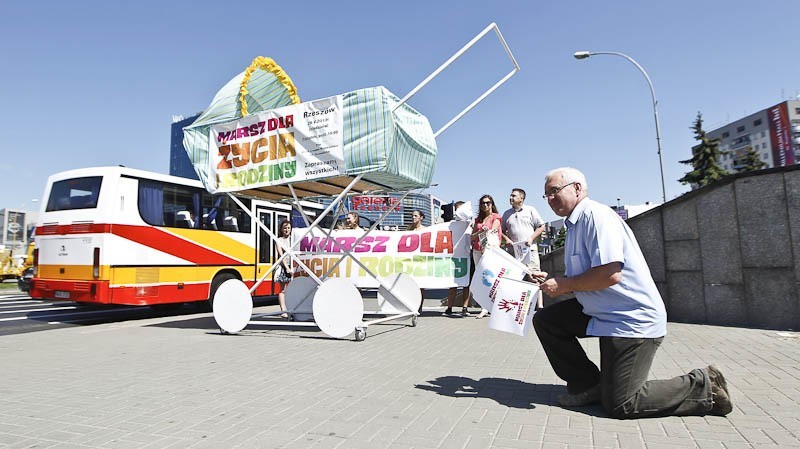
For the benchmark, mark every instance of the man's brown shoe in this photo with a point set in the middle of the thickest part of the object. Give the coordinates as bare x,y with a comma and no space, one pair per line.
590,396
720,397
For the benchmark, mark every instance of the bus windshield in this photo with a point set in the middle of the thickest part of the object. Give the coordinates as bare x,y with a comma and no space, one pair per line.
76,193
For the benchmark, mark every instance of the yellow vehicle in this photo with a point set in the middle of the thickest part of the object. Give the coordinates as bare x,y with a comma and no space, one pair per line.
28,258
11,267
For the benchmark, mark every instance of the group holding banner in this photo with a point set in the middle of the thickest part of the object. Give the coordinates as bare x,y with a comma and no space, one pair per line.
436,257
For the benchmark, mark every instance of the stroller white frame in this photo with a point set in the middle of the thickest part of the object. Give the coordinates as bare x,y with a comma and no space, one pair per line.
336,306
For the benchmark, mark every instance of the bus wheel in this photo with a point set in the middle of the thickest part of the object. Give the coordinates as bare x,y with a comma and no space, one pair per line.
218,280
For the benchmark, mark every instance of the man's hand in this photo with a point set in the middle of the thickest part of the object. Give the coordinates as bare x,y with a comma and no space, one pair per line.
552,287
537,276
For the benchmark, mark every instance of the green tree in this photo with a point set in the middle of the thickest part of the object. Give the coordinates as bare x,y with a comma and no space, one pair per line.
560,238
705,158
751,162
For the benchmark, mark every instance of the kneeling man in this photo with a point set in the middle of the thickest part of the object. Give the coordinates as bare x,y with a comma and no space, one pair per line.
617,301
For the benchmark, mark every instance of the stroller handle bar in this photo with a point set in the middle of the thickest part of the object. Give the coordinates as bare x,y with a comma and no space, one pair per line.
492,26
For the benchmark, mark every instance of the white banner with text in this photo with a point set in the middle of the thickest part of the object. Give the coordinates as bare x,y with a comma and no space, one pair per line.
436,257
288,144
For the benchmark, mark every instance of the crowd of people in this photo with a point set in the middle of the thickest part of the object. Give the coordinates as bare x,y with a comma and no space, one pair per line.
516,231
614,298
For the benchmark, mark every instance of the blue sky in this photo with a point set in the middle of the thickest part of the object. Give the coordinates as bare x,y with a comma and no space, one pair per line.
90,83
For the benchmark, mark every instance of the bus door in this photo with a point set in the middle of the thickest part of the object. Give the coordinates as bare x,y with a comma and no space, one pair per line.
266,245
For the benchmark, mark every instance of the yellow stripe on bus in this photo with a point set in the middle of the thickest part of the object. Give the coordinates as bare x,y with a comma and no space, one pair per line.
218,242
72,272
171,275
142,275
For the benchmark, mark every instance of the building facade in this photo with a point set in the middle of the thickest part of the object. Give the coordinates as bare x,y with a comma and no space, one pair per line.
179,163
772,133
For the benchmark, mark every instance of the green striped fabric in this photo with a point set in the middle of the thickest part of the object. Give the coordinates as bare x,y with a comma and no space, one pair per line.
265,92
395,149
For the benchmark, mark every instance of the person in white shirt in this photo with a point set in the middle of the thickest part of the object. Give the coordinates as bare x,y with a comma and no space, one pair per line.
522,226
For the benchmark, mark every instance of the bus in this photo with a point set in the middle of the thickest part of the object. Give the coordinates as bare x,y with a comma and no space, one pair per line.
116,235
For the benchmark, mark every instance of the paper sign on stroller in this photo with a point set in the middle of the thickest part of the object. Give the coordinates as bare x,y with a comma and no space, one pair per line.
296,142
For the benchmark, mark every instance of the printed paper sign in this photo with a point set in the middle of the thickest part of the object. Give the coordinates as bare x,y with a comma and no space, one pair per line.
494,265
465,213
522,252
514,306
289,144
436,256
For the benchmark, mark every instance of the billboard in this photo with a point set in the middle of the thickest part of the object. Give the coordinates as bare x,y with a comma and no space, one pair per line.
14,227
780,135
374,203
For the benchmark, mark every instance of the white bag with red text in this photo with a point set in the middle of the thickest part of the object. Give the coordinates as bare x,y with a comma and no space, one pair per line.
494,264
514,306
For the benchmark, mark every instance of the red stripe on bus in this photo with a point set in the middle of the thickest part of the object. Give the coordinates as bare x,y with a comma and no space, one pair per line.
81,228
148,236
173,245
100,292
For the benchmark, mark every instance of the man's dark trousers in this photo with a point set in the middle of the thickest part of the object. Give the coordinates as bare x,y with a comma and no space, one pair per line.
624,366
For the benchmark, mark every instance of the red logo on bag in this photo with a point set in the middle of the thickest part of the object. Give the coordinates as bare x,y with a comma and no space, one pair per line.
507,305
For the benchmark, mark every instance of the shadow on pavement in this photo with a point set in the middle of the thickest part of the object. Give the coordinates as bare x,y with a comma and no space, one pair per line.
277,330
509,392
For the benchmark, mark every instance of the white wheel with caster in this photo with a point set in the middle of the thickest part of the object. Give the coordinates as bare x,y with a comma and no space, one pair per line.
401,295
361,334
338,307
299,298
233,306
414,320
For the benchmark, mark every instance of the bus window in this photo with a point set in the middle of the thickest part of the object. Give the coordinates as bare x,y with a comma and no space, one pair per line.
151,204
77,193
163,204
223,214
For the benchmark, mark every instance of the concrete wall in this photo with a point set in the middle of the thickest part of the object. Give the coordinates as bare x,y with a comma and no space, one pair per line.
727,254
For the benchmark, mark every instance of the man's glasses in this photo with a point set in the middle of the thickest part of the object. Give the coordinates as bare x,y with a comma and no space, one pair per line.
554,191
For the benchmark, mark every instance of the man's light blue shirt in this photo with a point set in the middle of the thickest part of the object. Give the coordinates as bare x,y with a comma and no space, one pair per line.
633,308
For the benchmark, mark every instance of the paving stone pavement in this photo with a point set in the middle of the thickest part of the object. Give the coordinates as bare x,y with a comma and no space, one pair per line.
448,383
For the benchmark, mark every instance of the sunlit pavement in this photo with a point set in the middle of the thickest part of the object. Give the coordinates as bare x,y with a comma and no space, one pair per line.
447,383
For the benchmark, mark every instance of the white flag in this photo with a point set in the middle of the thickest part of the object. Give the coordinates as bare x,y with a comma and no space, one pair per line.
514,306
522,252
464,212
494,264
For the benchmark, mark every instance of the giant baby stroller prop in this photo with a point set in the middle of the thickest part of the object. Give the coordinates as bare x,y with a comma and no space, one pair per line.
258,140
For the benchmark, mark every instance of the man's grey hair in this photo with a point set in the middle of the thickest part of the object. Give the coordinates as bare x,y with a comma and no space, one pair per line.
568,175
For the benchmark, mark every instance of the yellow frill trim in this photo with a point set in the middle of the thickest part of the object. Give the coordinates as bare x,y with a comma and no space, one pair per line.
267,65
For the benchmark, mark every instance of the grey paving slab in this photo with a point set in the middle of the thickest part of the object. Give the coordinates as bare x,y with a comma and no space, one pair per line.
448,383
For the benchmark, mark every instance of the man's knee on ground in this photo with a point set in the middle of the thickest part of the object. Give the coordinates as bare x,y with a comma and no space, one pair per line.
620,409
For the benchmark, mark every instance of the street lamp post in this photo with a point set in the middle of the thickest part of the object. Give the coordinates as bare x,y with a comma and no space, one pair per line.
586,54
